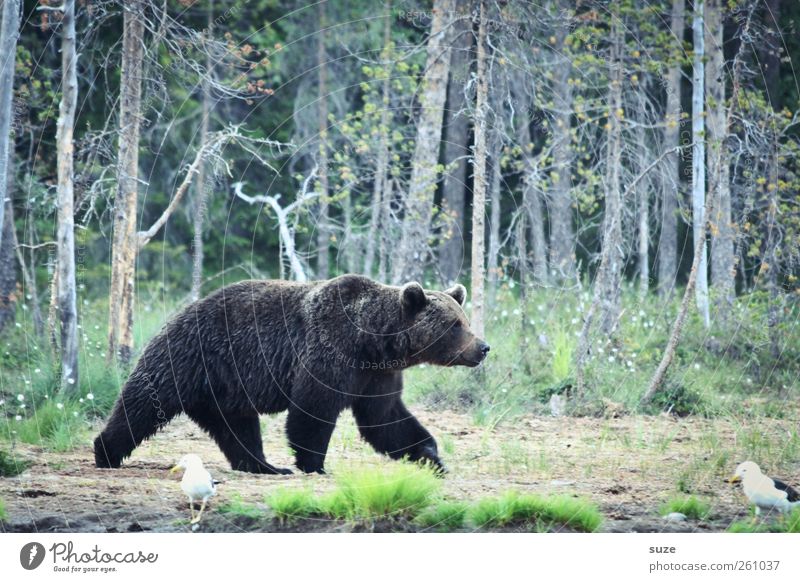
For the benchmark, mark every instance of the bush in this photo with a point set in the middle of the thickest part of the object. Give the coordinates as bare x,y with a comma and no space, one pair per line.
10,465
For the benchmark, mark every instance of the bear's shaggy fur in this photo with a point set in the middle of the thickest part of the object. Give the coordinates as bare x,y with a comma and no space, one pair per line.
261,347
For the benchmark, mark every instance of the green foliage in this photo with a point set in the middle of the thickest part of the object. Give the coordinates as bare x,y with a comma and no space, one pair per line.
236,506
443,517
289,503
55,425
3,512
11,465
564,347
399,490
396,490
679,400
780,524
528,364
514,509
691,506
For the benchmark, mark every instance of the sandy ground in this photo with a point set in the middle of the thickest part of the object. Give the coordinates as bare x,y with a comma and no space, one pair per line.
628,466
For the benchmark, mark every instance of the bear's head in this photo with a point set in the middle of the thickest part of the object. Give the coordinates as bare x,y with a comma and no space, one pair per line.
438,330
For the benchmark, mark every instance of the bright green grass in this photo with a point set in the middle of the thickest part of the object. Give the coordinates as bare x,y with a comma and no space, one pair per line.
396,490
3,512
540,512
443,517
288,504
691,506
399,490
236,506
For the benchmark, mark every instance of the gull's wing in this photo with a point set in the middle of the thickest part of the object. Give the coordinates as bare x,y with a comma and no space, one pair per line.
791,492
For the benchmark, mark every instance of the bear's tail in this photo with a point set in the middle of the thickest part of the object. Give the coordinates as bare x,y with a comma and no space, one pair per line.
138,414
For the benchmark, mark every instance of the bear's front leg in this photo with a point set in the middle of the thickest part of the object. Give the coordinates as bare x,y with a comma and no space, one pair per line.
309,433
386,424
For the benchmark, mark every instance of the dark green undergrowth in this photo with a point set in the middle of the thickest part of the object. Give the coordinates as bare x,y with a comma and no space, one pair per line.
728,370
11,465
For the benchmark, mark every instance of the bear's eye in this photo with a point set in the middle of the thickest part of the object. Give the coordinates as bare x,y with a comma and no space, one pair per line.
457,325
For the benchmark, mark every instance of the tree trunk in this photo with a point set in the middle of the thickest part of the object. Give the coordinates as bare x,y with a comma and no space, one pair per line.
382,163
412,253
8,267
770,260
722,262
9,33
456,150
610,271
670,193
493,267
201,188
384,265
67,300
531,200
643,216
479,182
124,250
698,158
323,229
562,236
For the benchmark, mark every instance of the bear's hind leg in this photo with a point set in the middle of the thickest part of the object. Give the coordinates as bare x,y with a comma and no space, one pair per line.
239,438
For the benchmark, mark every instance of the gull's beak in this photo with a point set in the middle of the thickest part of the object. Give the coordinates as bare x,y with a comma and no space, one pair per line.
175,468
734,479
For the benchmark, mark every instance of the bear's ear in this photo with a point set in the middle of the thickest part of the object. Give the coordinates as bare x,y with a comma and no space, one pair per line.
412,296
458,292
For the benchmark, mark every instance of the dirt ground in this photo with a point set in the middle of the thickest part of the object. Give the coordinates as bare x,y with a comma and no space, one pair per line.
628,466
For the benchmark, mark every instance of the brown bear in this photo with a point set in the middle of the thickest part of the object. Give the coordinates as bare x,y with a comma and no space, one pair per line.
316,348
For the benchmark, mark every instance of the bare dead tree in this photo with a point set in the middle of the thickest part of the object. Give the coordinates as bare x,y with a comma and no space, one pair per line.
66,291
670,186
480,124
283,215
124,245
413,250
9,33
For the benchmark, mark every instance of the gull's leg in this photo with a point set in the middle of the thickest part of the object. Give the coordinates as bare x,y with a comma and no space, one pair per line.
757,515
202,508
191,509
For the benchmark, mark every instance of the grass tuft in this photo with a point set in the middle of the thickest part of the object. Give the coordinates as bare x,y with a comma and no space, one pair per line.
540,512
291,504
691,506
237,506
3,512
443,517
397,490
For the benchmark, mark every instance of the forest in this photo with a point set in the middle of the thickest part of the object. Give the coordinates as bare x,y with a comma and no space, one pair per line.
614,182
